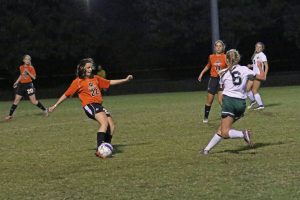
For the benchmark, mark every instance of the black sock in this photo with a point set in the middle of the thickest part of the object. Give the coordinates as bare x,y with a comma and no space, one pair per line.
100,138
108,136
12,109
206,112
40,106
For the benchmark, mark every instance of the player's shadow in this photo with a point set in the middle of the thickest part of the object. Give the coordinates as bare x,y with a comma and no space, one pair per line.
119,148
272,104
256,146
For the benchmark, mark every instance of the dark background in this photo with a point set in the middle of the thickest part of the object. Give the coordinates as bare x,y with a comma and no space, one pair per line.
154,40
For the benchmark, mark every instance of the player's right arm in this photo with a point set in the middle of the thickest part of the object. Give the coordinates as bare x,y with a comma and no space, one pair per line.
70,92
61,99
206,68
17,82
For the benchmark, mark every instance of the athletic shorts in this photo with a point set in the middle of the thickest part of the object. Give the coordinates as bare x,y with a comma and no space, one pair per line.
233,107
92,109
25,89
213,85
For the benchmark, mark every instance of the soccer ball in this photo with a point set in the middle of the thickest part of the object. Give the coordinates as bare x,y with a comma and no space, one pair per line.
105,150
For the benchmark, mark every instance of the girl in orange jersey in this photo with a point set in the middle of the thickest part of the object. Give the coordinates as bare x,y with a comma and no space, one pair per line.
88,87
216,62
24,86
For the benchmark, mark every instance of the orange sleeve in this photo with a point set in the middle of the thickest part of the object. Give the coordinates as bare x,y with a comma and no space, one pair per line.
103,83
208,62
32,71
74,87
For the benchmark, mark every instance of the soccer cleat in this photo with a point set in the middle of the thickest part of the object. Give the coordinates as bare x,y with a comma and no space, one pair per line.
8,118
204,152
261,107
247,137
251,104
46,112
205,120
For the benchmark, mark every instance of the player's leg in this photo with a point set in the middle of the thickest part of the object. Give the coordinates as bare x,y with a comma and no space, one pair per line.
102,119
223,133
37,103
207,107
252,99
110,130
255,88
14,106
213,142
213,86
239,106
220,97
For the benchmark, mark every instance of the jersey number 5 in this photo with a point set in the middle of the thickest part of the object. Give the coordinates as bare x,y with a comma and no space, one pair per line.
236,78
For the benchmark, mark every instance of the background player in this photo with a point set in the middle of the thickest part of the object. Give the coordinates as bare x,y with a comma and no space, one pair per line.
216,61
259,59
24,86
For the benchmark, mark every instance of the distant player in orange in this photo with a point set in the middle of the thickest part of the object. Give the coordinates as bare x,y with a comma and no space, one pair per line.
88,87
24,86
216,62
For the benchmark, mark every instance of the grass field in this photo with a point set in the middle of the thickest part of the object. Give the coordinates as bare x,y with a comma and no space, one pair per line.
157,145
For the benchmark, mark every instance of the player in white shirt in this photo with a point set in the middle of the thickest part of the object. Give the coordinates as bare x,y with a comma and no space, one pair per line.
236,81
259,59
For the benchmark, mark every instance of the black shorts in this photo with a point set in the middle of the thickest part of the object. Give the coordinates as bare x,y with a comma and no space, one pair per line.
25,89
213,85
92,109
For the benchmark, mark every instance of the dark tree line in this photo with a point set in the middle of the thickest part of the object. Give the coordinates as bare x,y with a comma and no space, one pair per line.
139,35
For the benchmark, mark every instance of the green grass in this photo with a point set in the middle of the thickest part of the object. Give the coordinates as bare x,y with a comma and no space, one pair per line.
157,141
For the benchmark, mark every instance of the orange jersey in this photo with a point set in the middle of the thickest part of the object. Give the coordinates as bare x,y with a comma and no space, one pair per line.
215,62
89,89
25,78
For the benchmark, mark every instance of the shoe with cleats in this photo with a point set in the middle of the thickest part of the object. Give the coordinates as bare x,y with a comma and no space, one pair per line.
8,118
247,137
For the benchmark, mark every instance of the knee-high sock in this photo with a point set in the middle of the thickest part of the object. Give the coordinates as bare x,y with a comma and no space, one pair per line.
213,142
40,106
235,134
206,111
258,99
251,96
100,138
12,109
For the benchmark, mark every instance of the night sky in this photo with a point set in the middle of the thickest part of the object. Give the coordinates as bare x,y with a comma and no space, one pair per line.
143,36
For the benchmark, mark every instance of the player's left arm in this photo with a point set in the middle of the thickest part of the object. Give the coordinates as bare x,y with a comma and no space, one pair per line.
266,64
262,76
121,81
31,73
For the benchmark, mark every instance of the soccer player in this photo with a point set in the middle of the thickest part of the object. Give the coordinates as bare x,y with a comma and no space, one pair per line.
25,87
236,81
88,87
216,61
259,59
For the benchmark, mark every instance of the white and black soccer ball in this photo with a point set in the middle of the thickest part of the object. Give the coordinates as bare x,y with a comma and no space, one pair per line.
105,150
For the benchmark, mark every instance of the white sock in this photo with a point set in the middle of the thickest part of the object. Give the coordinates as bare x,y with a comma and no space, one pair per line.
235,134
250,96
213,142
258,99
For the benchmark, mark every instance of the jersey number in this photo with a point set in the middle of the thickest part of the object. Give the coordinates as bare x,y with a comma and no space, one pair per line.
30,91
94,92
236,78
